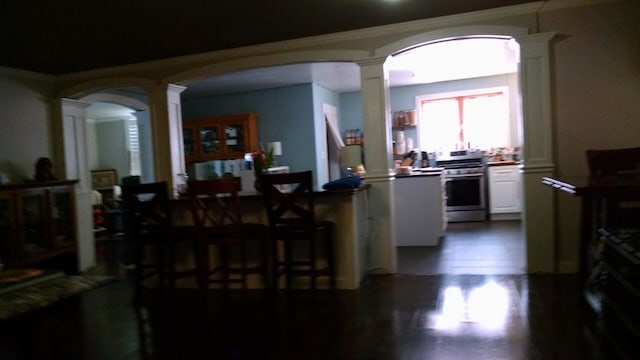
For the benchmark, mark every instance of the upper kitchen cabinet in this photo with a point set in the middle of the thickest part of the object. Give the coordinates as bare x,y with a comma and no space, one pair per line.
220,138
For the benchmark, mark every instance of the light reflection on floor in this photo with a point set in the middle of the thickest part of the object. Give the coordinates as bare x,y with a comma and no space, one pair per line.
484,308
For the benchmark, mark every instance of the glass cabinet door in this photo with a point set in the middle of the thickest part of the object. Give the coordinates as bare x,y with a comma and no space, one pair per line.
189,140
32,215
234,137
210,140
6,227
62,218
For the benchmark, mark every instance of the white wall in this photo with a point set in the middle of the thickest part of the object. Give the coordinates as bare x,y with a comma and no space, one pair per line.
25,122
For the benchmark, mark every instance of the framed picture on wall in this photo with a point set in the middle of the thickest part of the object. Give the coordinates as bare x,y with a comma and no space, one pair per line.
104,179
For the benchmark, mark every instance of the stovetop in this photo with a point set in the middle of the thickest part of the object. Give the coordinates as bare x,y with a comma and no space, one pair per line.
461,162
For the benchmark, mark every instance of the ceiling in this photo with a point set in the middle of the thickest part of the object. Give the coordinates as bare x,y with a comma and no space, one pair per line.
64,36
442,61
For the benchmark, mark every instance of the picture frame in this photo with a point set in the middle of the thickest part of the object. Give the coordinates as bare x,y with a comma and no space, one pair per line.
104,179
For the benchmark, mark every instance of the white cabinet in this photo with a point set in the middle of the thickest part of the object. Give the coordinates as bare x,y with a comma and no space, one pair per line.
505,192
418,210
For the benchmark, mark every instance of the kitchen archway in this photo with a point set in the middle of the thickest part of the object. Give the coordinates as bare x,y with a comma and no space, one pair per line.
477,244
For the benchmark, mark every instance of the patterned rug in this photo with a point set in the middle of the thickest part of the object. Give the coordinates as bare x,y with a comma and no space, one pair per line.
37,295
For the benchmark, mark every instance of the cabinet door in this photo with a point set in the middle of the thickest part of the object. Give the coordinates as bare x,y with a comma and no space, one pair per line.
189,141
210,136
220,138
32,220
62,218
7,228
235,137
504,189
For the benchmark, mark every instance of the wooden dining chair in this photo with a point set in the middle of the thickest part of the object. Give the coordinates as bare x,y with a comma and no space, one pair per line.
150,229
621,211
610,162
307,243
220,229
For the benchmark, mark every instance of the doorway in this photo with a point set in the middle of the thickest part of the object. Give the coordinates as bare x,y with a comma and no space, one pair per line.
478,247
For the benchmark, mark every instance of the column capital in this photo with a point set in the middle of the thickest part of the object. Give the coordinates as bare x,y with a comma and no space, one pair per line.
538,38
166,88
378,60
71,103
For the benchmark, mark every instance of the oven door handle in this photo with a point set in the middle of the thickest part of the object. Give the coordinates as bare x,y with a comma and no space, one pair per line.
457,176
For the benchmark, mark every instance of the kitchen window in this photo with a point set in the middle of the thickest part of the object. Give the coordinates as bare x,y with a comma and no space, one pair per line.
475,119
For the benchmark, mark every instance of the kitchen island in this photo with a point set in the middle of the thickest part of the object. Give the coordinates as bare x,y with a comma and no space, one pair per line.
419,215
348,210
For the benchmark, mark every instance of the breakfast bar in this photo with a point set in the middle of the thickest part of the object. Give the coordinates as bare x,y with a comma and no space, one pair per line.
347,209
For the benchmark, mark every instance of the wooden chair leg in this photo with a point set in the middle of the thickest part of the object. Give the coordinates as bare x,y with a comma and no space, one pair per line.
312,259
330,259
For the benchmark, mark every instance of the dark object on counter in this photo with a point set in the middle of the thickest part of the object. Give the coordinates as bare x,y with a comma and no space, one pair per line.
44,170
425,159
346,183
409,159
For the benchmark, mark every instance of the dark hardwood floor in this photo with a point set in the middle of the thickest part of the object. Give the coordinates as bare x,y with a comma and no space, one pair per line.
404,316
480,248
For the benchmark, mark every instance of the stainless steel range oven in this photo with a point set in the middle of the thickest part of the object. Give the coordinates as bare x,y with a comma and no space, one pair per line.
464,176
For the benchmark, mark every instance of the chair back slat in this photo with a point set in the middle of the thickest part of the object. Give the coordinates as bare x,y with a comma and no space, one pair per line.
146,206
215,203
289,198
612,161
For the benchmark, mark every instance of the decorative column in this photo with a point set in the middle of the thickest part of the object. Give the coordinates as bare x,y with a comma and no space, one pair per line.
539,213
70,126
166,128
374,77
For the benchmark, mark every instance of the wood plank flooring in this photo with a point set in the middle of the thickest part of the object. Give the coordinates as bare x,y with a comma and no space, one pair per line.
404,316
481,248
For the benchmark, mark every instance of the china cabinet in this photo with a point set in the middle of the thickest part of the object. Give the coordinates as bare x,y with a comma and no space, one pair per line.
38,225
220,138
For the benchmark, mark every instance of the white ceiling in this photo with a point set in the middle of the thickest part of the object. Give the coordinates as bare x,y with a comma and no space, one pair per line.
442,61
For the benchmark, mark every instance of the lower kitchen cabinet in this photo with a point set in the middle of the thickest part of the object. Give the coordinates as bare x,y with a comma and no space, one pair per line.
505,192
418,210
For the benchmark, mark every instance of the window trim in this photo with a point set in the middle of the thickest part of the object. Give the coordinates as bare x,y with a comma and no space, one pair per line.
504,90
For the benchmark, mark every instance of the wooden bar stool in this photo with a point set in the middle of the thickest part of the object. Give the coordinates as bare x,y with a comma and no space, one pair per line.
289,203
149,226
217,216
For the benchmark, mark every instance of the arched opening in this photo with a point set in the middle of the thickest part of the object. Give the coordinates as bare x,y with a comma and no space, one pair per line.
468,104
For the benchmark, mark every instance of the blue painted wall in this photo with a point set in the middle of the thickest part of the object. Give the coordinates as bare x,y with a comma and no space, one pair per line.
285,114
293,115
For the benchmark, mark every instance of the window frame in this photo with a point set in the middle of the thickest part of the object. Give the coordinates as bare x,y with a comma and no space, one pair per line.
504,90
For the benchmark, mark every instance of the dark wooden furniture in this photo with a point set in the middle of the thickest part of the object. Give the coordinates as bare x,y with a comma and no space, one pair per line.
149,226
38,225
220,138
217,216
609,162
289,202
609,262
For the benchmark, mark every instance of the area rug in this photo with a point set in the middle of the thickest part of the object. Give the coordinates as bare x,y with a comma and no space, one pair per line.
38,295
